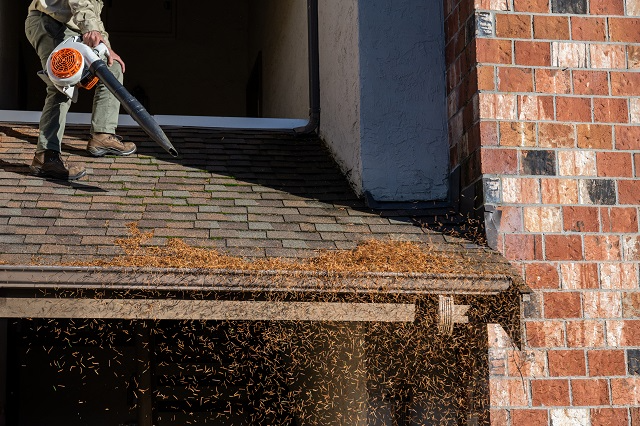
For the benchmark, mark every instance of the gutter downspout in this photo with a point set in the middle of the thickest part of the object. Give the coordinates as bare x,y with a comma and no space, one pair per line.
314,72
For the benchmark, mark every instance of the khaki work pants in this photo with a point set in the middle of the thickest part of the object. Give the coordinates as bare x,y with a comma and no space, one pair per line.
45,34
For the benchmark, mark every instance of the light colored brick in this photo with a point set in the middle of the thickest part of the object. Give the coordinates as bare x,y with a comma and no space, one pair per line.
631,248
570,416
493,4
618,276
634,110
535,108
498,338
568,55
607,56
520,190
578,275
585,334
527,364
577,163
542,219
633,9
623,333
508,393
497,106
601,304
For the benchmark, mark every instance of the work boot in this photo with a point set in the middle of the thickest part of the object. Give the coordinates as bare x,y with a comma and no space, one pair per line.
49,164
107,144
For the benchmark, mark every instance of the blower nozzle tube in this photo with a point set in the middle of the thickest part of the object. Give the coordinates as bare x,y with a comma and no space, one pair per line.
133,107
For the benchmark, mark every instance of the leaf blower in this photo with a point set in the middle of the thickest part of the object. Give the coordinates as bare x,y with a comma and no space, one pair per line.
74,64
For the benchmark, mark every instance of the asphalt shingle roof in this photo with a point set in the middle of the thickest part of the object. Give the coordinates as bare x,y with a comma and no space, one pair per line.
244,195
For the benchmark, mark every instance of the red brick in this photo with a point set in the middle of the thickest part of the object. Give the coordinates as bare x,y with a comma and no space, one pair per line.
589,392
602,247
624,29
545,334
628,137
551,27
533,53
489,133
607,7
635,416
522,247
498,417
614,164
559,191
529,417
542,276
581,219
511,219
619,219
515,79
540,6
609,416
573,109
586,28
625,391
513,25
563,247
584,334
595,136
553,81
610,110
606,363
625,84
629,192
493,51
517,133
562,305
566,363
590,82
499,161
486,78
550,393
636,164
633,53
555,135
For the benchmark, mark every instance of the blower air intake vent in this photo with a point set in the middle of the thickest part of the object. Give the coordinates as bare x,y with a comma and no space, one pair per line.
66,63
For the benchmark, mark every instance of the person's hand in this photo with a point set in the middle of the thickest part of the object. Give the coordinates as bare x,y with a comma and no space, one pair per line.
113,56
92,38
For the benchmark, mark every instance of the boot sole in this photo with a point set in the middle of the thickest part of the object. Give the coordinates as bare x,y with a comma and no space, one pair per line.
101,152
36,171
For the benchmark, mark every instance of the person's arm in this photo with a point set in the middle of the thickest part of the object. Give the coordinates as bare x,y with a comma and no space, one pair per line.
86,15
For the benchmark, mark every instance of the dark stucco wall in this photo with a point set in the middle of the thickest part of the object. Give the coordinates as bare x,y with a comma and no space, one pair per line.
403,101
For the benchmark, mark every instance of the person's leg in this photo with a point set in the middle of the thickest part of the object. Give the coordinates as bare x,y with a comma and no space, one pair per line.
104,117
104,120
44,34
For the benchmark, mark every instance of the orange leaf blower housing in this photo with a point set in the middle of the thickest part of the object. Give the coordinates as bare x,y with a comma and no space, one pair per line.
67,63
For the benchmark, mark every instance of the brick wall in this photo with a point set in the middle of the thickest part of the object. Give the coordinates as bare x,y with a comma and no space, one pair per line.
556,121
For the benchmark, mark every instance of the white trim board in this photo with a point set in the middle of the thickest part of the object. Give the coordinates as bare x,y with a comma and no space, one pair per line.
243,123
